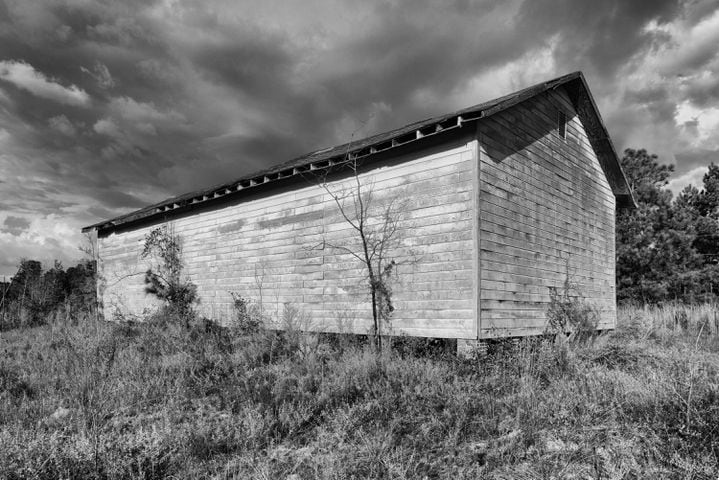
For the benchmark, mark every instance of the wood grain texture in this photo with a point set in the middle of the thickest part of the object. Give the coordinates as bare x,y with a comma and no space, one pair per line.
490,225
546,213
266,250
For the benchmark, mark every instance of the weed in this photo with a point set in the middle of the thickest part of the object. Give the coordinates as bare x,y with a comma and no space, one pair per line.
156,400
569,313
164,277
248,319
13,386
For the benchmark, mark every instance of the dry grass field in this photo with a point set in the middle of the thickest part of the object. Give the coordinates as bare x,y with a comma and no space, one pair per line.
82,399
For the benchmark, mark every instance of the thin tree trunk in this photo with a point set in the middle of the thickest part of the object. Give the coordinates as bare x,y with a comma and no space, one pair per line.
377,340
22,300
6,287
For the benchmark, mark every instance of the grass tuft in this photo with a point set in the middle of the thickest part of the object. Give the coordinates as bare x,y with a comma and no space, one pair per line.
169,399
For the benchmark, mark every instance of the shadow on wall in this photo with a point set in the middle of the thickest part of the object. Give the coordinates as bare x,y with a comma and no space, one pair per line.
511,131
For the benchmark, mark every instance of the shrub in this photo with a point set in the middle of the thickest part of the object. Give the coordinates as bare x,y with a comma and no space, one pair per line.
164,279
568,312
423,347
12,386
248,320
158,400
148,455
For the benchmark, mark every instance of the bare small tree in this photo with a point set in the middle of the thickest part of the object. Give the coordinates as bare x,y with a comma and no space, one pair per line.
5,287
376,227
89,245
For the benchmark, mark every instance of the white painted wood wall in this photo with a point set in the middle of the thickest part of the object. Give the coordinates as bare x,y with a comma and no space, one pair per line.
492,223
546,214
263,250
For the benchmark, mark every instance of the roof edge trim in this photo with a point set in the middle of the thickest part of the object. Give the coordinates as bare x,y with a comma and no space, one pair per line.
341,155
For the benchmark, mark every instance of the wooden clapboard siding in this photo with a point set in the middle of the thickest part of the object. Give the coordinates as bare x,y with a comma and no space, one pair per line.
499,212
545,209
262,248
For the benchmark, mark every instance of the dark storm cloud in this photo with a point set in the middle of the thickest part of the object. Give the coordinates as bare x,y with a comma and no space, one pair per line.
115,199
704,93
119,52
656,101
402,54
254,63
605,42
698,157
132,102
15,225
599,37
696,58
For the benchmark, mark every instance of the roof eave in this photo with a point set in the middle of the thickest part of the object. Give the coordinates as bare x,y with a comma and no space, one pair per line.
601,142
584,102
426,132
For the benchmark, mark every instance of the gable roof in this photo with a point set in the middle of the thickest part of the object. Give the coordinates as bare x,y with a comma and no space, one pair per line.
574,83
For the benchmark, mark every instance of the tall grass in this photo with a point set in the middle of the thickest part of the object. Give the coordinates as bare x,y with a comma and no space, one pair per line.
83,399
672,318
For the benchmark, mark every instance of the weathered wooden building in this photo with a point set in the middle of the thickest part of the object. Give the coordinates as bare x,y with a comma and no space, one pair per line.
503,201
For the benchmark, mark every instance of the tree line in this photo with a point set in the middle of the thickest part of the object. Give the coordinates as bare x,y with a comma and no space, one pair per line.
34,295
667,251
667,248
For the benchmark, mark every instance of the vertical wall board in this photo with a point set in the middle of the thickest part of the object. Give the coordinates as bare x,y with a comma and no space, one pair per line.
268,249
476,230
474,145
546,216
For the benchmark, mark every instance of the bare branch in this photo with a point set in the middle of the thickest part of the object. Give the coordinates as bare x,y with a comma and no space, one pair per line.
377,228
341,208
347,250
119,278
358,197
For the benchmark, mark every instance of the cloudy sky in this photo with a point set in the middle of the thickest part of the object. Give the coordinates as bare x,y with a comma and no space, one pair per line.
106,106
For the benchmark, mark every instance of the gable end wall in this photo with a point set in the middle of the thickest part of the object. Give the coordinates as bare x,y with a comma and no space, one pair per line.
546,214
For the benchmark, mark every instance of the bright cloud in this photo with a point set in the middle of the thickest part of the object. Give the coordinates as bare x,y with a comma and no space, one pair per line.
700,124
45,238
692,177
62,125
691,46
134,111
101,74
107,127
667,101
24,76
